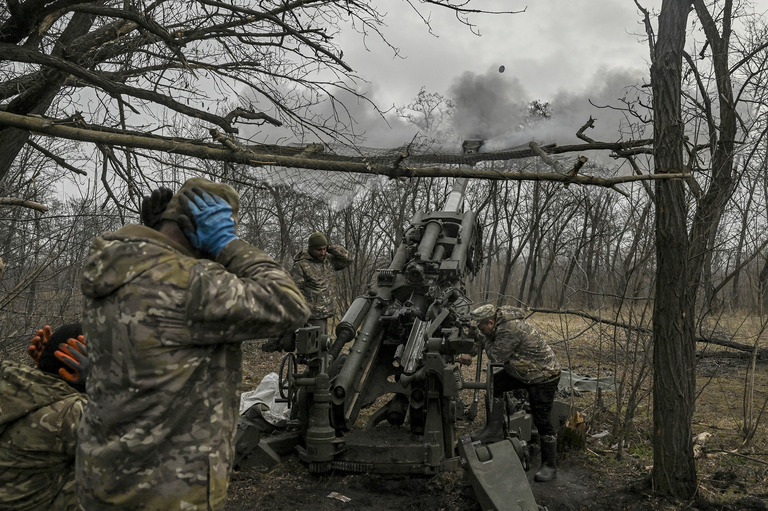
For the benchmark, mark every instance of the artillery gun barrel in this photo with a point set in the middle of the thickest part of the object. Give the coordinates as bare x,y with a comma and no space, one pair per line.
467,227
347,328
455,199
366,317
453,204
362,353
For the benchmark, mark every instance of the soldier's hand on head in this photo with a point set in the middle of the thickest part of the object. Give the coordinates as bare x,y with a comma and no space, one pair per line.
153,206
37,344
207,220
74,355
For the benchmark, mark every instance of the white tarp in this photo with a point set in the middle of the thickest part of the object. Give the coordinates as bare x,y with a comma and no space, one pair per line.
266,393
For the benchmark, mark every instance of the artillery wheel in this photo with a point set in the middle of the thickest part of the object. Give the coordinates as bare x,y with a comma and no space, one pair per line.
286,378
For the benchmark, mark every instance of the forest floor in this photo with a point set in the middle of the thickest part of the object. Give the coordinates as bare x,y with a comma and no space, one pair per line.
731,477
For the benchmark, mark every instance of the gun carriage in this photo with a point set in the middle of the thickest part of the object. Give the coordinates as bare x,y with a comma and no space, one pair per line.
405,333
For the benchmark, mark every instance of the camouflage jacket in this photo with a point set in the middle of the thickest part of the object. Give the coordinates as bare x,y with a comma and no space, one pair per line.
315,278
39,416
515,343
164,332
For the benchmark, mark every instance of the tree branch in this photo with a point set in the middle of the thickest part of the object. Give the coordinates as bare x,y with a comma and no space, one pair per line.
13,201
333,163
20,54
58,159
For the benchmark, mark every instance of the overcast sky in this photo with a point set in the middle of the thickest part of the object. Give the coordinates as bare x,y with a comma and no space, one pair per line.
573,54
557,51
565,52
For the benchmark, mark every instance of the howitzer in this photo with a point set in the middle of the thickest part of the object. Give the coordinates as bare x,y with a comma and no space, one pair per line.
406,332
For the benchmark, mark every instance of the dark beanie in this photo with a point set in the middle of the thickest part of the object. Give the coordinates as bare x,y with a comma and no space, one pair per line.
48,361
317,240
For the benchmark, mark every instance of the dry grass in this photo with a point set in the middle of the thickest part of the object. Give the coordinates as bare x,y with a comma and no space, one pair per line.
729,469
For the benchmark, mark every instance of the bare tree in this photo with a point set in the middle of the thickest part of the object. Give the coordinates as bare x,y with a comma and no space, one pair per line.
210,62
683,258
674,472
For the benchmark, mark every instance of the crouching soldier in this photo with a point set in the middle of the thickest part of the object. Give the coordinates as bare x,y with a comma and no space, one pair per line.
529,364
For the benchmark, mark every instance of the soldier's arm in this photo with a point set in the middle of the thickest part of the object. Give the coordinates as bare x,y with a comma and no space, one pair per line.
69,412
297,274
339,257
245,294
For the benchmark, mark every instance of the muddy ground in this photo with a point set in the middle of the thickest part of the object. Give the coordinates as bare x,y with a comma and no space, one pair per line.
588,479
291,487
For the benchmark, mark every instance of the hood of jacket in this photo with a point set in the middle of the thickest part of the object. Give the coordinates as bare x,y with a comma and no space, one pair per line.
304,255
117,258
26,389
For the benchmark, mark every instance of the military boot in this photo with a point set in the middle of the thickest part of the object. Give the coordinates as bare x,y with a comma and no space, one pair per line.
548,470
494,426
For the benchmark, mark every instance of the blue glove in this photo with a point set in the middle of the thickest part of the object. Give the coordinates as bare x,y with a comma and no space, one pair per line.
208,222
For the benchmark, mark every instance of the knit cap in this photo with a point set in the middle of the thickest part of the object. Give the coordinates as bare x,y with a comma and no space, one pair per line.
317,240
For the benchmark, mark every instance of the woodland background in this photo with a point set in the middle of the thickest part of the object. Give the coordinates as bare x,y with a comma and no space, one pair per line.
657,236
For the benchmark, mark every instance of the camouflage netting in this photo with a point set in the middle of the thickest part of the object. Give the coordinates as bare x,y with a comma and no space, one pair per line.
338,187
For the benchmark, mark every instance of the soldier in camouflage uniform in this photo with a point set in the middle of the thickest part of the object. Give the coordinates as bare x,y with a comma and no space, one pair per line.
313,272
166,312
40,411
529,364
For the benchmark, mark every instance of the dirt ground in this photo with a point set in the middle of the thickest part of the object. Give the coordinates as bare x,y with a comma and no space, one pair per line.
291,487
585,482
588,479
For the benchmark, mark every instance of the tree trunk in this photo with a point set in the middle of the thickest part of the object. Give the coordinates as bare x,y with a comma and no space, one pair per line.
38,99
674,384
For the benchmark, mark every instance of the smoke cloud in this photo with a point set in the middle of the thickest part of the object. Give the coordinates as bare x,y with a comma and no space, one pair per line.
495,107
488,105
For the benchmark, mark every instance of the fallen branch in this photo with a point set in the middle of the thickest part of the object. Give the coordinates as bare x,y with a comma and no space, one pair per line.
13,201
734,453
332,163
762,353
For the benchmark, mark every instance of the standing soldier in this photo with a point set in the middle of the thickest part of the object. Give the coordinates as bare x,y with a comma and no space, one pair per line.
165,312
529,364
313,272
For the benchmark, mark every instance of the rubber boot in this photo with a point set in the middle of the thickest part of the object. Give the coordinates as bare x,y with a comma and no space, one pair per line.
548,470
494,426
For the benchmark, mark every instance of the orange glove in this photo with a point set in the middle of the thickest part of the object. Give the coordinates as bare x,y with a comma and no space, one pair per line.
37,344
74,355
